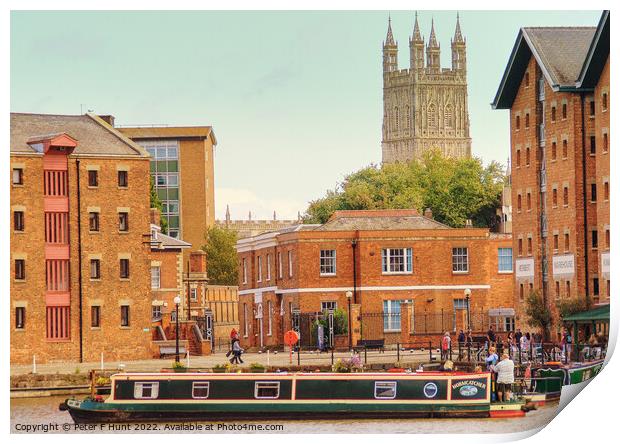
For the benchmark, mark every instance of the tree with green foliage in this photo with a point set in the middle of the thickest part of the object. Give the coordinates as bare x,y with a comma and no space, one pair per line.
454,189
221,256
537,312
156,203
567,307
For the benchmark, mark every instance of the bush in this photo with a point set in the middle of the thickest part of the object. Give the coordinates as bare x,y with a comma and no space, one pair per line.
179,365
537,312
255,367
341,323
348,365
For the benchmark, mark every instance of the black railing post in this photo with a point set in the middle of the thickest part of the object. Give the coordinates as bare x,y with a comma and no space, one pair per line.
398,351
332,356
365,355
299,355
430,351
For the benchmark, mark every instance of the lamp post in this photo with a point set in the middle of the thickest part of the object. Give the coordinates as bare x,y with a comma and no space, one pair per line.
349,296
467,295
177,301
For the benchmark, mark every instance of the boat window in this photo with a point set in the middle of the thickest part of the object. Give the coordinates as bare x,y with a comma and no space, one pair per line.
385,389
267,390
200,390
146,390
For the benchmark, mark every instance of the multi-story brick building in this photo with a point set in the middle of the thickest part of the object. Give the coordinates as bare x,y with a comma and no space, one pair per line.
166,271
182,170
384,258
556,86
79,241
213,308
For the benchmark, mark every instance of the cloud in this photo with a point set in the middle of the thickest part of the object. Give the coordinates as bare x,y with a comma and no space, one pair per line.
242,200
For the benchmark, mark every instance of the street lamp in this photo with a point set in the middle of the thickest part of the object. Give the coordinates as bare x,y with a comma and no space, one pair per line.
467,295
349,295
177,301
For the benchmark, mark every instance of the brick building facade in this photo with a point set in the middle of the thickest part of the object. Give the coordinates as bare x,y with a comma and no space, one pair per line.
556,87
399,256
79,259
182,169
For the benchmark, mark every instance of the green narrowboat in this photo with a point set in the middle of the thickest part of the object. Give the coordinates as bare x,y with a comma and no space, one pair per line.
215,396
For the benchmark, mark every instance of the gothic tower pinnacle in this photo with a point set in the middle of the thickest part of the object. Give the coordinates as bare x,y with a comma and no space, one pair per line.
416,47
459,55
390,50
433,52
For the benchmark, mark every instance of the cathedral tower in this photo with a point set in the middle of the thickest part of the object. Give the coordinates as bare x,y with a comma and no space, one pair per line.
424,107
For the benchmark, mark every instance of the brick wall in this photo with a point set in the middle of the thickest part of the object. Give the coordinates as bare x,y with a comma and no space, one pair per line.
109,292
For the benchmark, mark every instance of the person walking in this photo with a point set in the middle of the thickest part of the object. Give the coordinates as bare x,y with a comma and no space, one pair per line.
446,343
505,370
237,351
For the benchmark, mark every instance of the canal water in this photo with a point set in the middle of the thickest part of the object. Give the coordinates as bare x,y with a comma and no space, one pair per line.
41,415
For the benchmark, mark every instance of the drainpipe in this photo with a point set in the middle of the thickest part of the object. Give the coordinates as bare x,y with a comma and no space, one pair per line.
354,246
585,196
79,230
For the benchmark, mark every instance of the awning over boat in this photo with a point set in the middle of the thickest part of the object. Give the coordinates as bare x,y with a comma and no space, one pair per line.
598,314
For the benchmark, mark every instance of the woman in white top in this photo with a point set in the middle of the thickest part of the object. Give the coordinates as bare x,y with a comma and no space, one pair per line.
505,370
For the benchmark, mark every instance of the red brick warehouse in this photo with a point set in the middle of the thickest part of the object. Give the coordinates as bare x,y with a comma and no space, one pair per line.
556,87
400,256
79,260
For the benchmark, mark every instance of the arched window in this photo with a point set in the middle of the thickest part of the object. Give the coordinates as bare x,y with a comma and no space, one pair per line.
447,116
432,118
408,122
396,118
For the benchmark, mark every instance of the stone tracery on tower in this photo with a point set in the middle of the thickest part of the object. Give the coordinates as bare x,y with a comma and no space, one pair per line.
424,107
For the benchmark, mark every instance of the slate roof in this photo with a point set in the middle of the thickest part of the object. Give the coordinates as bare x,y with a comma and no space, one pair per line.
163,241
94,136
409,222
563,53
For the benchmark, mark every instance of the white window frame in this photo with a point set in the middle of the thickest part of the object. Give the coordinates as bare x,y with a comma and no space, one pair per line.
245,270
456,257
259,269
193,294
269,318
266,384
499,256
279,265
323,308
290,263
391,316
138,390
268,266
156,312
156,278
17,176
386,384
388,253
200,384
327,261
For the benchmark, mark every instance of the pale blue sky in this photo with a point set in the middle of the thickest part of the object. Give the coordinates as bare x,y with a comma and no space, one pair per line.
295,98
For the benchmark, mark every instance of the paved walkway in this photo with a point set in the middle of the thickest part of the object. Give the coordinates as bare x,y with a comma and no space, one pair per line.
273,359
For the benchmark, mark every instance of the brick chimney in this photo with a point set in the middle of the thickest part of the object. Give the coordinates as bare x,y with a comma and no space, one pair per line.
155,217
198,262
108,118
428,213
